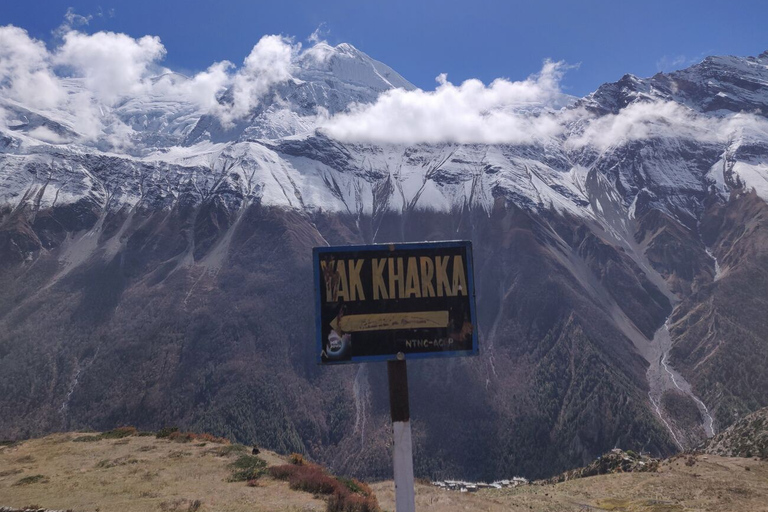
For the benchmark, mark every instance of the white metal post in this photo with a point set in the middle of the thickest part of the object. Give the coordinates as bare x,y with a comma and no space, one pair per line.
405,496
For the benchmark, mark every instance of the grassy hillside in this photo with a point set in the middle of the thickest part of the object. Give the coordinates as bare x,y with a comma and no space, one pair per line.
682,484
125,473
88,472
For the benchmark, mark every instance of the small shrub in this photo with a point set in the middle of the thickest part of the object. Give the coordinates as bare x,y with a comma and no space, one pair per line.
174,434
306,477
209,438
345,495
296,458
32,479
145,433
283,472
119,433
357,486
194,506
349,502
9,472
166,432
180,437
313,479
185,437
25,459
247,467
116,433
228,450
253,483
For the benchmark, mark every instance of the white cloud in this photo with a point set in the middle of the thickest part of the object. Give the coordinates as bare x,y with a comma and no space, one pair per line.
72,20
270,62
502,112
318,36
25,73
671,63
657,119
109,68
643,121
47,135
744,127
113,65
202,89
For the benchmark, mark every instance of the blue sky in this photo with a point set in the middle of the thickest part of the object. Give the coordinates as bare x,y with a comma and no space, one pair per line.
420,39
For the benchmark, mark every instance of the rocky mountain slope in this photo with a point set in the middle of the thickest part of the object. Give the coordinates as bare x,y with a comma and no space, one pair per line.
748,437
165,278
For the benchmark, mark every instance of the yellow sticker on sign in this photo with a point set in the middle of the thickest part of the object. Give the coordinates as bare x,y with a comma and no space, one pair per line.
390,321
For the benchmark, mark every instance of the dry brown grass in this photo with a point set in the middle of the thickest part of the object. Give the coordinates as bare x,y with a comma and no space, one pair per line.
713,484
144,474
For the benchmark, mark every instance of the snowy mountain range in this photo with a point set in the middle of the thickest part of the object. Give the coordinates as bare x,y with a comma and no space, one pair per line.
155,255
284,147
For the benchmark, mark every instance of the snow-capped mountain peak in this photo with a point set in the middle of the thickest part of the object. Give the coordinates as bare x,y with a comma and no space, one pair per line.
325,80
347,65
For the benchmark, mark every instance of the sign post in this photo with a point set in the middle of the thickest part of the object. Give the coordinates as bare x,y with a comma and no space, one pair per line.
399,410
392,303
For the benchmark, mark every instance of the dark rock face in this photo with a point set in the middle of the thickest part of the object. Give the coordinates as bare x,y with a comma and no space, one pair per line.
168,329
717,83
720,331
682,411
675,252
